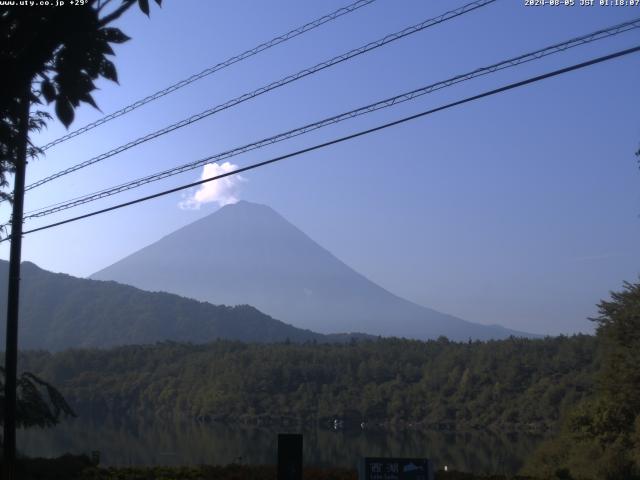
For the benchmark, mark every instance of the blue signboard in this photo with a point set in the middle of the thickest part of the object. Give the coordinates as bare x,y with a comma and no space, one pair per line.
378,468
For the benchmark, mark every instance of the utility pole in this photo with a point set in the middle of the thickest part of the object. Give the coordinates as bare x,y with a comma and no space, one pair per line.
13,297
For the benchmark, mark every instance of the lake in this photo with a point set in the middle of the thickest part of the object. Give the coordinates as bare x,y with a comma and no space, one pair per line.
162,442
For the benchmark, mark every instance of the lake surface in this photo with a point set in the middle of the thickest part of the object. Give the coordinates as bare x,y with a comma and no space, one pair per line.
144,442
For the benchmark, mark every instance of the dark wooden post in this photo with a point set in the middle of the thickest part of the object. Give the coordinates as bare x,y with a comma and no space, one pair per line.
289,456
11,350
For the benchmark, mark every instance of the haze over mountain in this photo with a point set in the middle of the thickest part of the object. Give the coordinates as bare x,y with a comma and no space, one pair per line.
247,253
58,311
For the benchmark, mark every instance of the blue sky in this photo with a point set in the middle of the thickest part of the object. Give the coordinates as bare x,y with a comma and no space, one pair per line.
520,209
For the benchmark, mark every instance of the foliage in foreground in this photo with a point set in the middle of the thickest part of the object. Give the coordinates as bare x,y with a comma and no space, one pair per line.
600,438
52,55
515,384
39,404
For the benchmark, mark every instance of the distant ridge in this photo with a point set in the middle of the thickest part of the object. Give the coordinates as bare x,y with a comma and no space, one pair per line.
246,253
58,311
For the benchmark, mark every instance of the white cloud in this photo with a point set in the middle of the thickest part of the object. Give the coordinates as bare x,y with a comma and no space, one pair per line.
222,191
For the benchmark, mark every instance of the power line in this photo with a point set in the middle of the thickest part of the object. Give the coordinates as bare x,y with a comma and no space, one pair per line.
210,70
510,86
512,62
279,83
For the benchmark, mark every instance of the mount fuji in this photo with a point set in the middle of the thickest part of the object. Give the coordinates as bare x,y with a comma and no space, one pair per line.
246,253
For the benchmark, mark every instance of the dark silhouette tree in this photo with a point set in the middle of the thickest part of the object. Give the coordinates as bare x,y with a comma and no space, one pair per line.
54,55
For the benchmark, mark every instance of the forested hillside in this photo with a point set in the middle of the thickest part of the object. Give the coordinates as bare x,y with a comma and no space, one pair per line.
514,384
59,311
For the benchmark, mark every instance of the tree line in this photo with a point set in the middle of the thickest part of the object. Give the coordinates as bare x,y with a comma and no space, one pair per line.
514,384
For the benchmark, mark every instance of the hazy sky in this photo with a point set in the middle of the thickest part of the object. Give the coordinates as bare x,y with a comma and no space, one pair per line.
521,209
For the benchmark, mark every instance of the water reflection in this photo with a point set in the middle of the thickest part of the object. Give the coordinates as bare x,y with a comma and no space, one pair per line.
144,442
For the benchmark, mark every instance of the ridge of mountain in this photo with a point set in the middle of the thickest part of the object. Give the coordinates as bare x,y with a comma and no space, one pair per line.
58,311
246,253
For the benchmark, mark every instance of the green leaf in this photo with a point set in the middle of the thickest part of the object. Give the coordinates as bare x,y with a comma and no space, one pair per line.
108,70
114,35
103,46
64,111
48,90
87,98
144,6
93,64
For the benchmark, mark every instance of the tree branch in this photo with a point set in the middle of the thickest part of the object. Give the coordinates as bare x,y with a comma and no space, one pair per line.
102,4
117,13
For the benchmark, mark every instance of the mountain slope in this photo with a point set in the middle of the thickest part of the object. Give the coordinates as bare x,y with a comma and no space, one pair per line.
248,254
58,311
